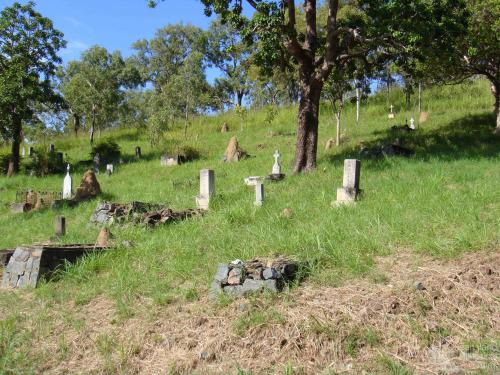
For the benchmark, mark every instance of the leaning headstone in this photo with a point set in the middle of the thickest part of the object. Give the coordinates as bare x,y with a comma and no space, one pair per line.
60,226
67,185
207,188
391,114
259,194
138,152
109,169
350,188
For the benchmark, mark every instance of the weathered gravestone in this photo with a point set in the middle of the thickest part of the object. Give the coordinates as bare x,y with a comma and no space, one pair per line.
241,278
253,180
138,152
97,162
52,148
31,152
207,188
28,263
391,114
412,124
350,187
168,161
67,185
259,194
276,174
109,169
60,224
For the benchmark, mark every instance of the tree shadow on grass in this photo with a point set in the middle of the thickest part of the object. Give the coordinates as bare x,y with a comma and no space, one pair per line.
470,137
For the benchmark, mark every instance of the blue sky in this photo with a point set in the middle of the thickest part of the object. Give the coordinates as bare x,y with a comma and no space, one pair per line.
115,24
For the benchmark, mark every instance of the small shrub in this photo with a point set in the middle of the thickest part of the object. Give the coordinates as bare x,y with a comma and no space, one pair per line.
4,163
43,163
108,150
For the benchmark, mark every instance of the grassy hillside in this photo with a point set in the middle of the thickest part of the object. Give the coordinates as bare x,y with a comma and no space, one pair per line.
443,202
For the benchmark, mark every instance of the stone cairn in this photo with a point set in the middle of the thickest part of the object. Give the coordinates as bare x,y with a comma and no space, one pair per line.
239,278
233,151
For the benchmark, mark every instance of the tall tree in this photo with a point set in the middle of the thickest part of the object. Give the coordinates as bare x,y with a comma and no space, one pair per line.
354,29
28,60
476,50
227,52
94,86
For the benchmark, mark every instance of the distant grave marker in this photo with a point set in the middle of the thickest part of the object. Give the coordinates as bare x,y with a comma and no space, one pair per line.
276,174
59,158
259,194
391,114
207,188
138,152
349,191
60,225
31,151
412,123
52,148
109,169
67,185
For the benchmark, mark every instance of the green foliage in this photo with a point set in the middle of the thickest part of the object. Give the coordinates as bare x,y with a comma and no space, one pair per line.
108,150
43,163
28,59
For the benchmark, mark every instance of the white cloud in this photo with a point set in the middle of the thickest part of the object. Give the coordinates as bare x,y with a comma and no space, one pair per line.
74,48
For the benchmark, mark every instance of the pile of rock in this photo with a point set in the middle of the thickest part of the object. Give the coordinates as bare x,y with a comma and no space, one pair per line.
233,151
139,213
239,278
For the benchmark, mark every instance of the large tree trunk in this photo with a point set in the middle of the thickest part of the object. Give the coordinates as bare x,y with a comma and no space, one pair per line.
495,90
76,120
16,143
92,127
239,97
307,131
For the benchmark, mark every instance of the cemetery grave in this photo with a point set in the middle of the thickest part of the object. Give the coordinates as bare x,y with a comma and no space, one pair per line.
27,264
233,151
240,278
30,200
139,213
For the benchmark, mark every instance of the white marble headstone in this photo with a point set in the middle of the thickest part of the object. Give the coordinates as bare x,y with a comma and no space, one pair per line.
68,185
412,123
207,188
277,166
259,194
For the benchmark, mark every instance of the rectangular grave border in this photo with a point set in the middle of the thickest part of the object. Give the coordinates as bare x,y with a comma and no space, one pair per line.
25,265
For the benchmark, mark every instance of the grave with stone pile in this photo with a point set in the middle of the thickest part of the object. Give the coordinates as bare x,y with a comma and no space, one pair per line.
240,278
149,214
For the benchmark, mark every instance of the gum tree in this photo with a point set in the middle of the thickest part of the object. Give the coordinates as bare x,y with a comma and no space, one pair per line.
353,29
28,61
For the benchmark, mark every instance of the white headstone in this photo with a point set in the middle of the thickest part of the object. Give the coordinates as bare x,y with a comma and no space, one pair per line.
68,185
350,186
109,169
207,188
259,194
412,123
253,180
277,166
391,114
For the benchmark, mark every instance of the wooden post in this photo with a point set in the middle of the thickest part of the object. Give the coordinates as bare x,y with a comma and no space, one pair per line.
60,226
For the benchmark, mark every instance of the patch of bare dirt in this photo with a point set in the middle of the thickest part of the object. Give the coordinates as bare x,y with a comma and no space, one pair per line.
433,317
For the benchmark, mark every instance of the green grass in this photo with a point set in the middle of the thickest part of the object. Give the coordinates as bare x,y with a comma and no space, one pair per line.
444,201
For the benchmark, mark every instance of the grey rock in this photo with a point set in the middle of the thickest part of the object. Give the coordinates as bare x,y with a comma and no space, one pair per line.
215,290
222,272
207,356
235,276
271,273
419,286
233,290
250,286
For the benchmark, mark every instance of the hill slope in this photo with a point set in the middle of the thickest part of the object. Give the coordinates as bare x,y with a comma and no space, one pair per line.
442,202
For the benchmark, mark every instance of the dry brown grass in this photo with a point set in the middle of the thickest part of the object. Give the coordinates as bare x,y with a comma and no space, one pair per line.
316,329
